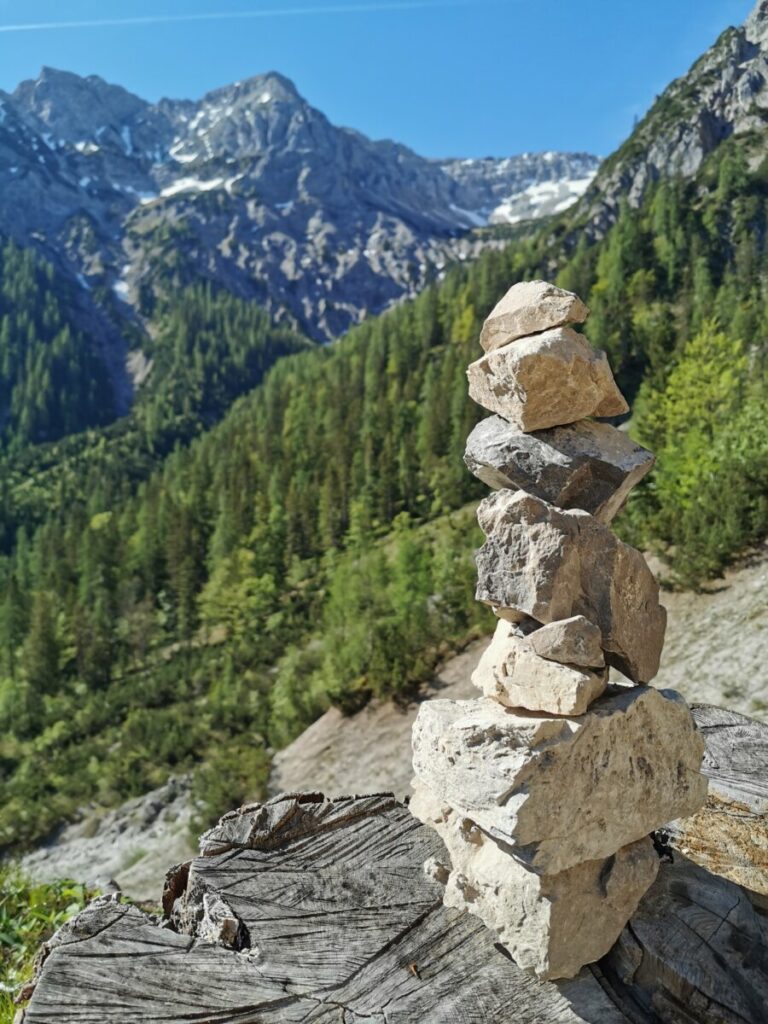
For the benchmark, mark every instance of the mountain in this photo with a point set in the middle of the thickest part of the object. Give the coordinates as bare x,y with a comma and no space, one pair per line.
253,189
724,94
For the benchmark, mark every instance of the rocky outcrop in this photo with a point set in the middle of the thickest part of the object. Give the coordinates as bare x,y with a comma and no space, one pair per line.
545,380
545,790
725,93
583,465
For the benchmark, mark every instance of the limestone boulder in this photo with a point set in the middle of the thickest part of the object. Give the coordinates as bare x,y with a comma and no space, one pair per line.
551,564
546,380
586,465
574,641
528,308
551,924
511,672
561,791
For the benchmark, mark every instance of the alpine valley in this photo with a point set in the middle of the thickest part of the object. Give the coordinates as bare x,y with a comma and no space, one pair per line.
214,526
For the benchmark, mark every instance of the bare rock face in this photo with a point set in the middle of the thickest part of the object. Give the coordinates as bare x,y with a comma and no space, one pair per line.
551,564
551,924
586,465
528,308
561,791
511,672
574,641
545,381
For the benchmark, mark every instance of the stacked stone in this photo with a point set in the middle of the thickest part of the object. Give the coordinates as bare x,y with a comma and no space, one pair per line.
545,789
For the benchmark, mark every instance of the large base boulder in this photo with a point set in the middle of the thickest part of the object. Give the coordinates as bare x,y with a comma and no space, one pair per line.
561,791
546,380
511,672
586,465
551,924
551,564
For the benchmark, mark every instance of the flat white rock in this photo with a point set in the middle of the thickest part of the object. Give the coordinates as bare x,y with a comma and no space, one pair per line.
511,672
530,307
561,791
551,924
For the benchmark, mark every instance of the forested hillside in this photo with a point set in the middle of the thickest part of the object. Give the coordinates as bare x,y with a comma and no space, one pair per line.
52,381
192,610
277,564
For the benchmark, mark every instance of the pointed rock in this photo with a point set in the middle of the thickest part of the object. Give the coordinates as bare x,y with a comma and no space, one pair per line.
511,672
551,924
585,465
561,791
528,308
551,564
574,641
545,381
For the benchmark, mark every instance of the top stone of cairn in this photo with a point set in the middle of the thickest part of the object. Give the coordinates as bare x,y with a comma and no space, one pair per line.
529,308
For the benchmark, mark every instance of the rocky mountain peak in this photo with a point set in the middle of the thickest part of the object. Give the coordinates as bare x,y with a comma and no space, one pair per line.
253,188
724,93
756,25
74,108
270,87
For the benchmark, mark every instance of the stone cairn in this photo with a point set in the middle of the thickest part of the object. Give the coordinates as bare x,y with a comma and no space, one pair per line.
545,789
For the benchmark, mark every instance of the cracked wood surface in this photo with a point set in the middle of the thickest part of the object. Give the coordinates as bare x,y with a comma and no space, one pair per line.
341,924
338,922
729,836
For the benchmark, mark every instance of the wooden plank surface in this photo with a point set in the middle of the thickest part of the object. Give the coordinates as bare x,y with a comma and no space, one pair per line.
695,952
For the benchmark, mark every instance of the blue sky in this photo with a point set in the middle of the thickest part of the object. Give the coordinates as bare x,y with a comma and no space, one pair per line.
446,77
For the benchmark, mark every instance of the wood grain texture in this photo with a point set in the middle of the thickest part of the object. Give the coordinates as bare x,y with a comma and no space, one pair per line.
695,952
342,925
729,836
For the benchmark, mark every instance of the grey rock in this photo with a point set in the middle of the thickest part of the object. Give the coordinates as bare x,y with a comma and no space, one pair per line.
574,641
585,465
546,380
530,307
561,791
551,564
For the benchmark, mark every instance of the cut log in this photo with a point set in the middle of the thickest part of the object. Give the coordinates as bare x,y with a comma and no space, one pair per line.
695,952
341,925
338,922
729,836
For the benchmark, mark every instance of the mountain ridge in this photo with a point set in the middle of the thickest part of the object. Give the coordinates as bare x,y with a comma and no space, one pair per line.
724,93
259,192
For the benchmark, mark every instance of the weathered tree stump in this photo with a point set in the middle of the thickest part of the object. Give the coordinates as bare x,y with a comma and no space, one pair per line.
311,910
730,835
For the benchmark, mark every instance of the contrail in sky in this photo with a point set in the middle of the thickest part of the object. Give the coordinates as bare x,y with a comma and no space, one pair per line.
273,12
